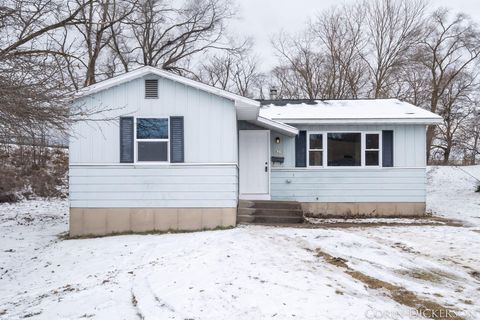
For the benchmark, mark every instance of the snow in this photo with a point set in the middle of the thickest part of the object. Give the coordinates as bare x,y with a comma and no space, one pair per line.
325,111
253,272
451,192
374,221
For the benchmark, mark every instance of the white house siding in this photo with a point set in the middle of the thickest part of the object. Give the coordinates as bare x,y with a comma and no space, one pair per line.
409,142
349,185
107,196
405,182
210,122
179,186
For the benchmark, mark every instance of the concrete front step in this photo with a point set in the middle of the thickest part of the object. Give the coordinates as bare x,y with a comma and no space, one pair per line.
270,212
268,219
267,204
273,212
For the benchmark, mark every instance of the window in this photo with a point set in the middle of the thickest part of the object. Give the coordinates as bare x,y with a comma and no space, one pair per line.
151,89
344,149
372,149
152,139
315,149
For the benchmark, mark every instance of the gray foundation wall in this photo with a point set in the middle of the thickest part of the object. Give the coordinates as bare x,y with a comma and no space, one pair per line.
103,221
363,209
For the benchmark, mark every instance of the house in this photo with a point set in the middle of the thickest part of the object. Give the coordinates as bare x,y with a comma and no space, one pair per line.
166,152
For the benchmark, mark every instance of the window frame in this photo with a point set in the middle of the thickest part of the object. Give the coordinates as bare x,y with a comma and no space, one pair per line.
135,145
362,146
324,149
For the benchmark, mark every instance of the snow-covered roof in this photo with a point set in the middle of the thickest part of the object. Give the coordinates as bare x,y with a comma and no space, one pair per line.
147,70
347,111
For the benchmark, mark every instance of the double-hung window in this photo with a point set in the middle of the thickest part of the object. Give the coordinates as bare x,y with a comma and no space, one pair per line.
315,149
152,140
372,149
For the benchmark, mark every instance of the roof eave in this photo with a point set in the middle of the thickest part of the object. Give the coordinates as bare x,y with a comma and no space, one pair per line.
276,126
426,121
140,72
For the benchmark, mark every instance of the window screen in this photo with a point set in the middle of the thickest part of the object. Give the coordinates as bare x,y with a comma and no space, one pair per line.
153,151
344,149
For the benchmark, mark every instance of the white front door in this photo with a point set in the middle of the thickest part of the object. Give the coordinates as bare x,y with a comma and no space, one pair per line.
254,164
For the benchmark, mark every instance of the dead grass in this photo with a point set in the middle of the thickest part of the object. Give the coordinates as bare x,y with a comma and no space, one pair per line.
434,276
425,307
66,235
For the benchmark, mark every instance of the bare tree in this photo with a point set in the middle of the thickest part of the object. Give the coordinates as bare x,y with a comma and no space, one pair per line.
217,71
32,94
163,35
451,49
301,70
98,19
343,42
456,108
234,70
470,136
393,28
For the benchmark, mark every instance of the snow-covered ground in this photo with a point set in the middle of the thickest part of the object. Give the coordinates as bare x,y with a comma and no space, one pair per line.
450,192
244,273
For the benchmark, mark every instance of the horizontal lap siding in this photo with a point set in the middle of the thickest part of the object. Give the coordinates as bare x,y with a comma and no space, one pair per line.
349,185
156,186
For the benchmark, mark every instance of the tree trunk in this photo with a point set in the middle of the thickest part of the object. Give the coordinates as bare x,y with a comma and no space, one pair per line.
430,136
446,155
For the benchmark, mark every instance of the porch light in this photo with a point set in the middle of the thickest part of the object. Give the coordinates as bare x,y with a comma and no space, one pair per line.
277,140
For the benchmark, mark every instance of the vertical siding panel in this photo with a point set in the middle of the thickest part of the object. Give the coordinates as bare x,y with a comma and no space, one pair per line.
420,138
409,149
208,118
399,146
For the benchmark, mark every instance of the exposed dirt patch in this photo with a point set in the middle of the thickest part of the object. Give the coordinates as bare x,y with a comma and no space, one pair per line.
434,276
475,274
359,222
424,307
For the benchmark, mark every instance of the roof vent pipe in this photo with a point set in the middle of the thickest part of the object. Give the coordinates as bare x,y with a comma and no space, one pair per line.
273,93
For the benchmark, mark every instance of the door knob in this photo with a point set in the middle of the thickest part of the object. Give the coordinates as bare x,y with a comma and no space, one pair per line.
266,166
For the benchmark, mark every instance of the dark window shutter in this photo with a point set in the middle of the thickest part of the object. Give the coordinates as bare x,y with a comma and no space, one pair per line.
387,148
301,149
176,140
126,139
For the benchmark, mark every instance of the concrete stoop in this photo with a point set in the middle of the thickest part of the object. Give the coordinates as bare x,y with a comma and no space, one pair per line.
269,212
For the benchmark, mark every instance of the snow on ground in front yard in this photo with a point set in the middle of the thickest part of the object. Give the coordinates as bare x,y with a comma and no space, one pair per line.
249,272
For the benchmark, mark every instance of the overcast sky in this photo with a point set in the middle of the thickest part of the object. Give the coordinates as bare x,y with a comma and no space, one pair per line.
263,18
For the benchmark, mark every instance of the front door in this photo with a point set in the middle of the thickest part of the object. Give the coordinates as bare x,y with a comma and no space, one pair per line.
254,164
